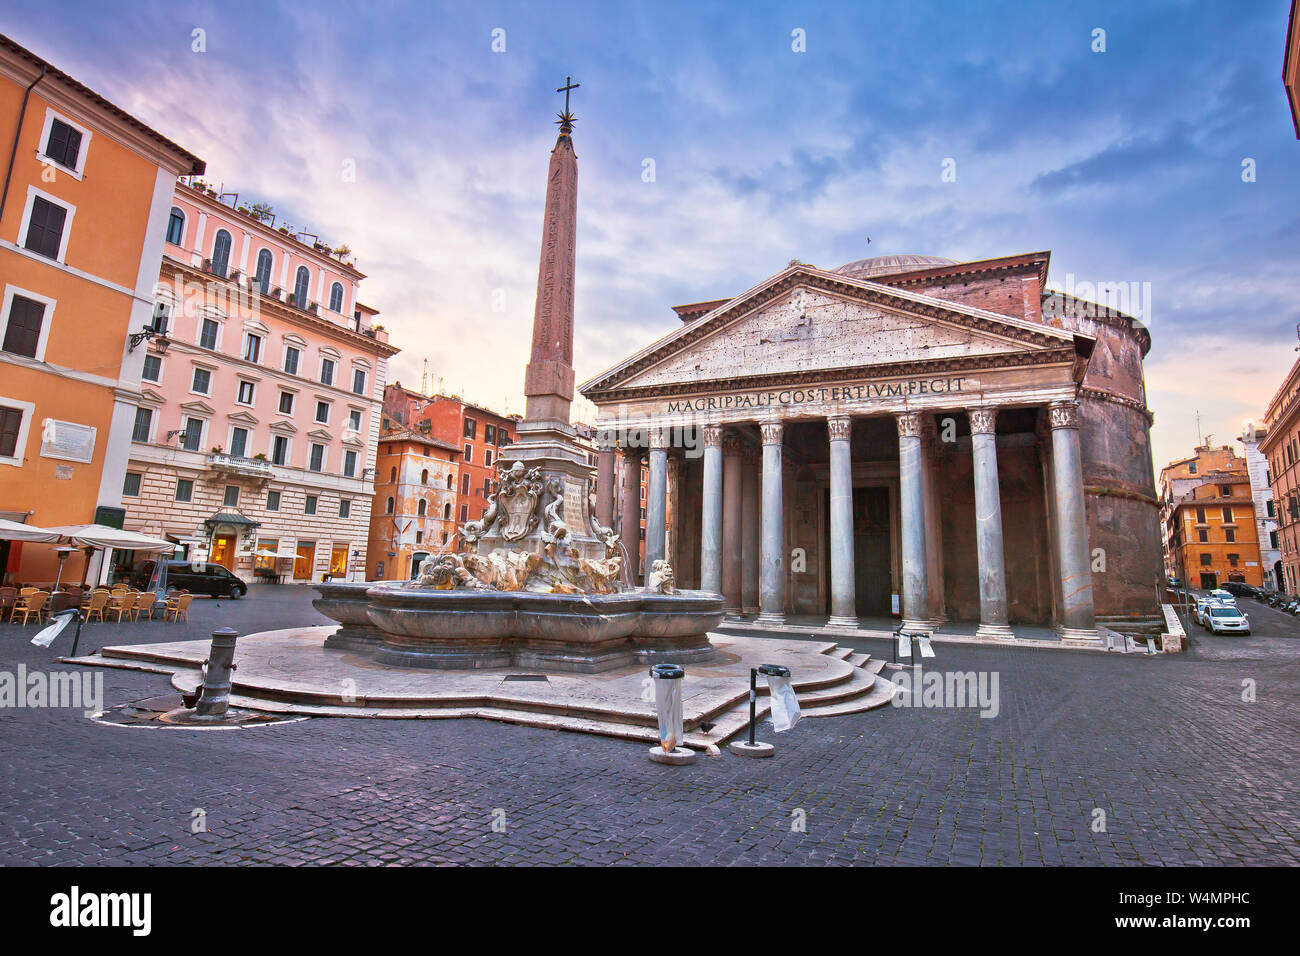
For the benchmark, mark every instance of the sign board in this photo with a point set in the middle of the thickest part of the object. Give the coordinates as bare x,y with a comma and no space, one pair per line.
924,644
893,605
67,441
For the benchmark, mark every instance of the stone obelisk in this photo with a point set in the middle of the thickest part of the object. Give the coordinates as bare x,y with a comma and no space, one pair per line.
547,441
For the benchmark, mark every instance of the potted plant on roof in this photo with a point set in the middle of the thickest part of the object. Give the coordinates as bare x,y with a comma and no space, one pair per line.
262,211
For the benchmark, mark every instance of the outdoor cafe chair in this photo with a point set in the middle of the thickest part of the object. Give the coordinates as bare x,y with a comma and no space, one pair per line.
29,606
59,601
95,605
144,605
119,603
24,592
178,608
8,598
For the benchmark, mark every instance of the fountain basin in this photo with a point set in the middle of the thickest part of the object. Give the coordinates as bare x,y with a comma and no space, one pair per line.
460,629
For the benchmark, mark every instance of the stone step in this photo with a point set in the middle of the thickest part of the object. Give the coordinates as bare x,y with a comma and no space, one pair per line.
841,653
858,659
880,695
858,685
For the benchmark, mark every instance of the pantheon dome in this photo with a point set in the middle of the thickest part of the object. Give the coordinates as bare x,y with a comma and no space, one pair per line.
890,265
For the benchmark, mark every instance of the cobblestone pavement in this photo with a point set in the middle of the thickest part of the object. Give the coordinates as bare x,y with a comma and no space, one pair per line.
1183,769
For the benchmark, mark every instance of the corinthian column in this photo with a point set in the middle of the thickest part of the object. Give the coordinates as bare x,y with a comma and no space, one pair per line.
771,573
630,527
656,505
749,532
1077,620
711,519
988,525
911,493
605,484
844,609
731,523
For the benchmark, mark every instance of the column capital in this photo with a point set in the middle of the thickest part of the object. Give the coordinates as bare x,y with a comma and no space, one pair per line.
712,436
840,427
658,437
983,421
772,431
732,445
1063,414
749,455
631,452
909,424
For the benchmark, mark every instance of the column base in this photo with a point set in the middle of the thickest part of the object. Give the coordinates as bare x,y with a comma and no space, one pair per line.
749,610
839,621
1078,635
995,632
731,611
770,617
919,627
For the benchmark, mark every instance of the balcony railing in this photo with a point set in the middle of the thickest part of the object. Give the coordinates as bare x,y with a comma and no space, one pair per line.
253,467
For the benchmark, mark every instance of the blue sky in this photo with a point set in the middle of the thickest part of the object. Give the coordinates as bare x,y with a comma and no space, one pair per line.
1126,165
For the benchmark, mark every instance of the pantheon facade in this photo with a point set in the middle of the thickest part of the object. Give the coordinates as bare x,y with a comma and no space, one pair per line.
904,435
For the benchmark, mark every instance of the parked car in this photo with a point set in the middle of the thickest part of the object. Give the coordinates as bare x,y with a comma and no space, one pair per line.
1227,620
1240,589
1227,597
196,577
1201,614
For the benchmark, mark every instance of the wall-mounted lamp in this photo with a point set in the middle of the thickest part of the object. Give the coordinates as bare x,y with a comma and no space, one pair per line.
145,335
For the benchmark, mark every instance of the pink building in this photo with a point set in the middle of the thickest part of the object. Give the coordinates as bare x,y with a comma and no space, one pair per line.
262,395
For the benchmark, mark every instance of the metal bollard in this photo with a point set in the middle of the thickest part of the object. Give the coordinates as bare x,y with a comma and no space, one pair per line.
219,666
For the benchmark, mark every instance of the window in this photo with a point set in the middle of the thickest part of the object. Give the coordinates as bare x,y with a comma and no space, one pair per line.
279,450
444,537
471,428
208,334
221,253
327,371
446,511
423,508
388,506
336,297
451,482
419,537
309,506
247,390
64,145
464,513
1271,509
231,499
1200,514
143,424
252,348
345,508
487,458
286,403
323,412
192,435
11,424
45,228
354,419
238,442
263,277
1229,534
1227,514
316,462
202,381
131,487
424,476
1233,559
23,328
301,284
176,227
359,381
1191,468
350,464
184,489
489,434
1205,559
1202,536
469,454
392,473
273,501
291,356
152,371
1225,491
464,484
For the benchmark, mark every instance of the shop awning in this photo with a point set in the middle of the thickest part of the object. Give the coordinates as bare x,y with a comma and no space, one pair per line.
17,531
102,536
230,518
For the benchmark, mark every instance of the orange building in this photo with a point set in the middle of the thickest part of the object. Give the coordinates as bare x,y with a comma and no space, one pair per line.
416,483
83,216
480,433
1211,529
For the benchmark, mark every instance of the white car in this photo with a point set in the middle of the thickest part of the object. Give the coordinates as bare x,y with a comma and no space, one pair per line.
1223,597
1227,620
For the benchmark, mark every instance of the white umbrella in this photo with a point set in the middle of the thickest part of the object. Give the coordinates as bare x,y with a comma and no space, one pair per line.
102,536
17,531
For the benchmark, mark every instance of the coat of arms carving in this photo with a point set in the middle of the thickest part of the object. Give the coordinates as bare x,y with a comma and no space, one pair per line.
513,507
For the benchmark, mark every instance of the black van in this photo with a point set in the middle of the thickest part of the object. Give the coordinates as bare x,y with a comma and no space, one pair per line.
196,577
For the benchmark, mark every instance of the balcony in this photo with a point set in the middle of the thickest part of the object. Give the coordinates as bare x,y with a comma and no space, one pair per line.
235,465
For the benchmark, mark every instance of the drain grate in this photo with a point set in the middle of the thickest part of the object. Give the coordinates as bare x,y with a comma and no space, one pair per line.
534,677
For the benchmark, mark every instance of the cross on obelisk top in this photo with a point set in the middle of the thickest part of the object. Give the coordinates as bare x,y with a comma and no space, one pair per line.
566,119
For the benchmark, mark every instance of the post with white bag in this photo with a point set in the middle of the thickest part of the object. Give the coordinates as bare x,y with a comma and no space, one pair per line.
784,707
668,703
